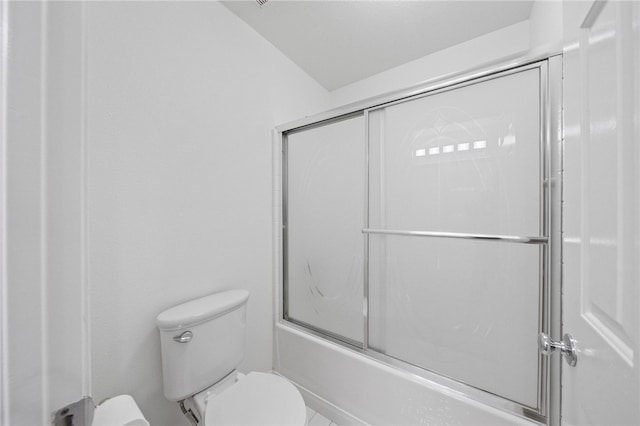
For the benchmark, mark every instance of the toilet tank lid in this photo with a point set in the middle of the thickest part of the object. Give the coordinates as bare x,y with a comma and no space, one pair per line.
201,309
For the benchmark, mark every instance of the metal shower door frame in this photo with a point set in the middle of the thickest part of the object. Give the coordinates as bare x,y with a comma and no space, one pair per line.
549,240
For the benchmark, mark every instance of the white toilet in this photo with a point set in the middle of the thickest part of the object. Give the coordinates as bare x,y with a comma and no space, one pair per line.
203,342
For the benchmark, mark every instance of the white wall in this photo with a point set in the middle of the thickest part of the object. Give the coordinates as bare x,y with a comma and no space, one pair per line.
545,23
67,354
24,192
490,47
181,100
43,321
138,175
543,31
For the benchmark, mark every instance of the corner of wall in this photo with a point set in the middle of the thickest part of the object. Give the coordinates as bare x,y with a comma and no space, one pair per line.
545,23
480,50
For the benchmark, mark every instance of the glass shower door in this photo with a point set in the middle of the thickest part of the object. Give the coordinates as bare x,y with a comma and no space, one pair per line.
456,233
323,242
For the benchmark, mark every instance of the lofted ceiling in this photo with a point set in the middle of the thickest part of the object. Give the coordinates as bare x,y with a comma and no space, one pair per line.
340,42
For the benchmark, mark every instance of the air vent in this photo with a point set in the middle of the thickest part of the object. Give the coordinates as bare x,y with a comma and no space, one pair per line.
261,2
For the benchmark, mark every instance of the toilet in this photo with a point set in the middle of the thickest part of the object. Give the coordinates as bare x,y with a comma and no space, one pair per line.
202,343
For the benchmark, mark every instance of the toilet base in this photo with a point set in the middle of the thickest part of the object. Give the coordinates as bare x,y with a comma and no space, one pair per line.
195,406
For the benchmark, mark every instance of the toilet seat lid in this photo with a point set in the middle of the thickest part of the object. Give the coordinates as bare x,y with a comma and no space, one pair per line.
257,399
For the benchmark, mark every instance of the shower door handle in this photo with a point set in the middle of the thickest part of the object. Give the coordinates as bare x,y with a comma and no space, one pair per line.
566,346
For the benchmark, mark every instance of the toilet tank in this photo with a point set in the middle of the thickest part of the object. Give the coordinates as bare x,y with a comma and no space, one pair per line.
201,341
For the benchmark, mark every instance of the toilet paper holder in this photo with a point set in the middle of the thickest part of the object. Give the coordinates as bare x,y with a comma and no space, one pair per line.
79,413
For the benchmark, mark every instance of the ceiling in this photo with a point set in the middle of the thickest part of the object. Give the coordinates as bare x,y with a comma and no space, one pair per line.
340,42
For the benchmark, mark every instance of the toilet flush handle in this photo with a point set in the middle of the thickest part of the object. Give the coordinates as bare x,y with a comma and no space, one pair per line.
184,337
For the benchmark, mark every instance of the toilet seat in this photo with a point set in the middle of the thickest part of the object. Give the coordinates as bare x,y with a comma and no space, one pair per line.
258,399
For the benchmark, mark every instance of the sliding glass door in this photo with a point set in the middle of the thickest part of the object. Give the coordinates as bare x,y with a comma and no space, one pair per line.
417,230
455,222
325,174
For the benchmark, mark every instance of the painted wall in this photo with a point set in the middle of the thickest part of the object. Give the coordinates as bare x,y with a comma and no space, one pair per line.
138,176
24,197
542,31
545,23
43,316
65,144
181,100
490,47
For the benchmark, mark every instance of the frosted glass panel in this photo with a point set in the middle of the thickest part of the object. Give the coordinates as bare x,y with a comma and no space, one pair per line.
465,160
465,309
326,173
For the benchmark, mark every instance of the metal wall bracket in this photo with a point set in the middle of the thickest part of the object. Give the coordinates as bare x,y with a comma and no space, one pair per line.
566,346
79,413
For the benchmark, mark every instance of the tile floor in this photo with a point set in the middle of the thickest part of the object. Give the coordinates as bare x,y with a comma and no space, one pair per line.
316,419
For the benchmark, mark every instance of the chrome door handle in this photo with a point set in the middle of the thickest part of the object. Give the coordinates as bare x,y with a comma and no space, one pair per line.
184,337
566,346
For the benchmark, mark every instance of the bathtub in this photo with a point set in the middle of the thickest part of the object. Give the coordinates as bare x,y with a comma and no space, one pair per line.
354,389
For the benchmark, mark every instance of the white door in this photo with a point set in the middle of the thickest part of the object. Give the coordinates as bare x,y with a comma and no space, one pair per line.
601,217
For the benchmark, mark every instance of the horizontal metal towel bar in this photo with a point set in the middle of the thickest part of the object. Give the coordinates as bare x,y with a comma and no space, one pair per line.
483,237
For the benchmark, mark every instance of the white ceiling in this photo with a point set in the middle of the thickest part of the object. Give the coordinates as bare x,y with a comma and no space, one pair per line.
340,42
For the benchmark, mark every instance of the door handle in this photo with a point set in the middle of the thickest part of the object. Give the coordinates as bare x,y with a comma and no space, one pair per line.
566,346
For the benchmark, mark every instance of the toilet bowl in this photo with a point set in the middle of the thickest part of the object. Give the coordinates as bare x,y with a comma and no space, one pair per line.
202,343
257,399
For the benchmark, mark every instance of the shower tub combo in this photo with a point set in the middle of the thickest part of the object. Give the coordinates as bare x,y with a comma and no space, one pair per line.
417,251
